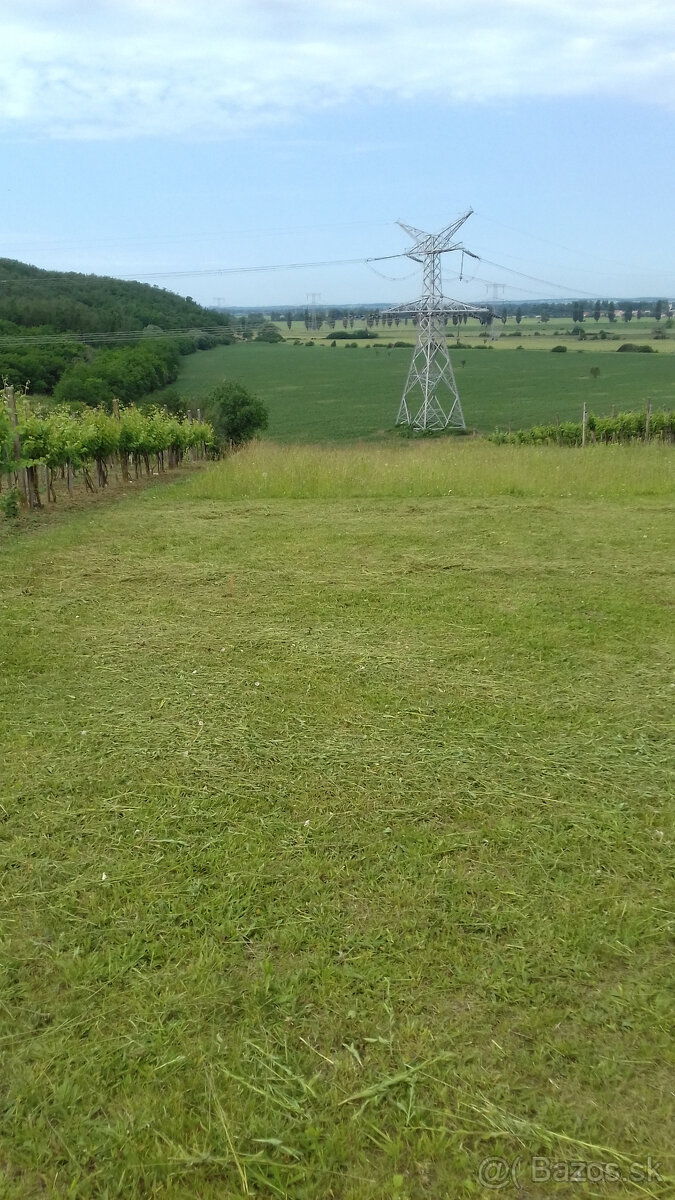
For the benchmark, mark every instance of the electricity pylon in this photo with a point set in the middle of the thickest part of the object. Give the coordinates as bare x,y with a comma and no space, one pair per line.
312,298
431,377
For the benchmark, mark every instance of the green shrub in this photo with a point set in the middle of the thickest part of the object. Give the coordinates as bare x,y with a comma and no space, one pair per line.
9,503
237,415
269,333
344,335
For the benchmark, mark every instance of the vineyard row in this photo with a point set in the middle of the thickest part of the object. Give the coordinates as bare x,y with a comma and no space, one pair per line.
621,428
64,444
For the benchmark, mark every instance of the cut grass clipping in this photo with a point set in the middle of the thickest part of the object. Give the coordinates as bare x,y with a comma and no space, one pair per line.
337,855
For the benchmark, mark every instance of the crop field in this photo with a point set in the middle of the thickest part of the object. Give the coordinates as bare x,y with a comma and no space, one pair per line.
315,393
337,849
531,334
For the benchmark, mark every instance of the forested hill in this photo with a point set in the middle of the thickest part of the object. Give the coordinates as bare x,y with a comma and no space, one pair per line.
69,302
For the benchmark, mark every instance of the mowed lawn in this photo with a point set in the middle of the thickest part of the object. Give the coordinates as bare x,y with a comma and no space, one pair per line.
315,393
336,842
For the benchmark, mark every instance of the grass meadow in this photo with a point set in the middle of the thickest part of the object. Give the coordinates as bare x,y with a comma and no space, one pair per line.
315,393
337,840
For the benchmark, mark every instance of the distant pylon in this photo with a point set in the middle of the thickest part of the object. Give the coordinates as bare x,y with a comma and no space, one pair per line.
312,298
431,379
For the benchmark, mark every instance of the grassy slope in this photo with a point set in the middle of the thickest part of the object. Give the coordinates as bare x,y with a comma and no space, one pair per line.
336,842
317,394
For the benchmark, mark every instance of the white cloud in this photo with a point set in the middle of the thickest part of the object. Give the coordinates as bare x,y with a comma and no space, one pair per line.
109,68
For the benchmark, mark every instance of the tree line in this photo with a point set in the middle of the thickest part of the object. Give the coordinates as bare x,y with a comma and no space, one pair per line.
74,373
248,325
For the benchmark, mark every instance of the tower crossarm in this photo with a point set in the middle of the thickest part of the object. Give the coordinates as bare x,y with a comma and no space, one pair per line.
441,306
426,244
446,235
412,231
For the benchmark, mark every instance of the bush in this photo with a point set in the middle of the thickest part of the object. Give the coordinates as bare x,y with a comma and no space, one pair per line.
344,335
269,333
127,373
631,348
237,415
41,366
81,385
9,503
559,350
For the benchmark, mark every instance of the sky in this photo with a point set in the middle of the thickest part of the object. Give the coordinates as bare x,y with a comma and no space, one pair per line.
188,143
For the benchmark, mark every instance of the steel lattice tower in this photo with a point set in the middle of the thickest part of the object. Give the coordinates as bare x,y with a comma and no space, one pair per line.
431,391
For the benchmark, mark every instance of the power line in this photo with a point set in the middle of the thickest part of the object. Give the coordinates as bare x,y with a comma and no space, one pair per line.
512,287
534,279
548,242
106,337
297,266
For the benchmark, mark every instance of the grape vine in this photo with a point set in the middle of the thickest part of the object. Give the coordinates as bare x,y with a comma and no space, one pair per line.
61,445
623,427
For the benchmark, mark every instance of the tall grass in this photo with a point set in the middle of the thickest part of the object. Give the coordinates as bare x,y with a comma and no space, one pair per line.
473,467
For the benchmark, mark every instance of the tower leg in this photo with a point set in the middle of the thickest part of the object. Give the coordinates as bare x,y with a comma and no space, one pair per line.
432,378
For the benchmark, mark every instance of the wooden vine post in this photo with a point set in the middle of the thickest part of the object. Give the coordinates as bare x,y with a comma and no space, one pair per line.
202,447
123,454
20,473
584,422
648,419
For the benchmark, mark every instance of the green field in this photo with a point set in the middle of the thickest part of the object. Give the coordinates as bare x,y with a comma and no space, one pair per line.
530,333
337,843
317,393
